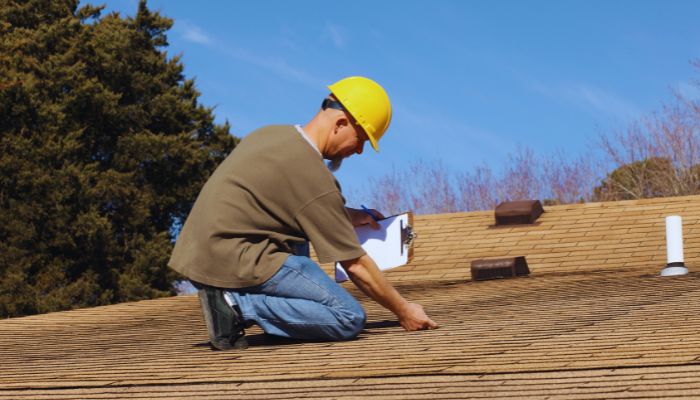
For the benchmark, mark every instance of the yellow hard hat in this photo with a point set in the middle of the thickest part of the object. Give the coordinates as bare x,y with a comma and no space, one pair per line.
367,102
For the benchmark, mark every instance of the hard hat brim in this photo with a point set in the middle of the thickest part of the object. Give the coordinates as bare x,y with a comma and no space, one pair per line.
373,142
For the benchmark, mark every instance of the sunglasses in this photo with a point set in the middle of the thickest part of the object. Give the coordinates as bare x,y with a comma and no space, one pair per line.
334,104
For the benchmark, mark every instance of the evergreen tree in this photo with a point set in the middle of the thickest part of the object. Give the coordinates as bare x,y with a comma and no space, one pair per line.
648,178
103,150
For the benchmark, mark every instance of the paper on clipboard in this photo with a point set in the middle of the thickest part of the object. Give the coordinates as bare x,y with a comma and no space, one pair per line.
390,246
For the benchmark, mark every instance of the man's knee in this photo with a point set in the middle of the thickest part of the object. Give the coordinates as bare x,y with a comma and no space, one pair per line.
359,323
354,322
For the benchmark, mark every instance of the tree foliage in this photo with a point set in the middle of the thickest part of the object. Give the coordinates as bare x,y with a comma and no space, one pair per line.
427,188
656,157
103,148
639,179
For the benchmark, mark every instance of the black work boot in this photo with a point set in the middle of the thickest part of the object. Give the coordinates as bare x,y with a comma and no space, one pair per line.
224,323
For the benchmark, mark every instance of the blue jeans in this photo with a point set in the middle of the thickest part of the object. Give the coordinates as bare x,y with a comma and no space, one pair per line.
300,301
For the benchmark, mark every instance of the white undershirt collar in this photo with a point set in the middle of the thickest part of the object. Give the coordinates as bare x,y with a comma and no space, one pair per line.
307,138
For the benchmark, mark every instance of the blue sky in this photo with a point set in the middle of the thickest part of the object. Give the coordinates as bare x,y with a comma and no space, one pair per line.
470,81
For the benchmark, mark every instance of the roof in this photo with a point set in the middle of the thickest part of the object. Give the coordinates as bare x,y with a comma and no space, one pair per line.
593,320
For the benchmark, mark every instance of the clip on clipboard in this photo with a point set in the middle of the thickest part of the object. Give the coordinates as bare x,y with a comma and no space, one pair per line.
390,246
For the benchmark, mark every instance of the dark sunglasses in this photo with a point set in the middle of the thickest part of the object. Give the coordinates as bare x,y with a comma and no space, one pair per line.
330,103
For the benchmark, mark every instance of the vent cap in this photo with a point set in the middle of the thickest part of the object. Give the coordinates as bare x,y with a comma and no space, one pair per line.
499,268
518,212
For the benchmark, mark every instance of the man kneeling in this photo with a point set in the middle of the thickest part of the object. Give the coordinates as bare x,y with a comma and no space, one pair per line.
245,243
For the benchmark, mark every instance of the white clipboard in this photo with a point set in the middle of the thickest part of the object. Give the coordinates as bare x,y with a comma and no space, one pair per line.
390,246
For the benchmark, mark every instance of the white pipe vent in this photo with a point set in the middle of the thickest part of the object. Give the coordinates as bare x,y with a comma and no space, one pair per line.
674,247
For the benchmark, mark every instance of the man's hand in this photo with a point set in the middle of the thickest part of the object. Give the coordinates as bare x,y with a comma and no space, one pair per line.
367,277
363,217
413,318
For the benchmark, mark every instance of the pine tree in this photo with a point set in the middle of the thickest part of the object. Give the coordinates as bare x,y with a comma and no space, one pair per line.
103,150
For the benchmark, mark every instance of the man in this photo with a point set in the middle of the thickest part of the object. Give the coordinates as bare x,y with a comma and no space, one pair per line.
245,242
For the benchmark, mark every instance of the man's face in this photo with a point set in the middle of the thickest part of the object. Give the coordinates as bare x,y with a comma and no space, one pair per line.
351,139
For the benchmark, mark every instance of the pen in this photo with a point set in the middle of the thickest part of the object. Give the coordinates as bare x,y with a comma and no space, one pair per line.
366,210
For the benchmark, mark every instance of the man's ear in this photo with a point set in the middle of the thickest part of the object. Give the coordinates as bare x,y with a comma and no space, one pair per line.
341,122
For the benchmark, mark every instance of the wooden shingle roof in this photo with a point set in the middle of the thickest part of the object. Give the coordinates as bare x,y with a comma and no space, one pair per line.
593,320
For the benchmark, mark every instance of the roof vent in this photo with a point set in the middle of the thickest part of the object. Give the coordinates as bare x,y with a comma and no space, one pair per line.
674,247
499,268
518,212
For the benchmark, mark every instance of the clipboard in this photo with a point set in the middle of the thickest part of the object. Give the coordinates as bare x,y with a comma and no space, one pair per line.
390,246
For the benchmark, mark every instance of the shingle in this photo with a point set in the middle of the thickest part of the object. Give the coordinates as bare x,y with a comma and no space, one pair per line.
593,320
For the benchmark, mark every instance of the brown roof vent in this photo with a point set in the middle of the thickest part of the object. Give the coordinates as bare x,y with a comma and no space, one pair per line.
499,268
518,212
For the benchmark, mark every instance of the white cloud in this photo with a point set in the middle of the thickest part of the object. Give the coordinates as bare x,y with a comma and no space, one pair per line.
337,34
194,34
594,99
605,101
452,140
273,64
230,49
